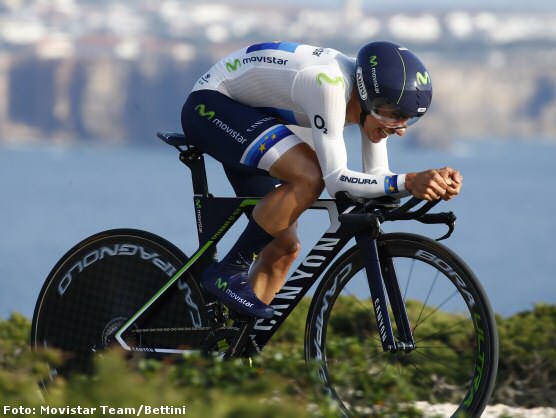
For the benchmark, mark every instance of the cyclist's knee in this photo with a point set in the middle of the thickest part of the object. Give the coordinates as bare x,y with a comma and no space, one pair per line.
288,243
316,186
310,182
292,249
300,168
286,246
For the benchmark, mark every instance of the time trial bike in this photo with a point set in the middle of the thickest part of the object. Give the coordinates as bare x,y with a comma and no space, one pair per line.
394,305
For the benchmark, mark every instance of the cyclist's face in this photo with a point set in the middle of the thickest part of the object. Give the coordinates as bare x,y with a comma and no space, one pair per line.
376,130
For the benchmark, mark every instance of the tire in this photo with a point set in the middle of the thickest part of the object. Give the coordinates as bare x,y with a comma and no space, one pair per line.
103,281
456,355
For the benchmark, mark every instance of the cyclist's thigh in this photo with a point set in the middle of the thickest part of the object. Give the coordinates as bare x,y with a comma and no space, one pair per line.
239,136
258,185
247,184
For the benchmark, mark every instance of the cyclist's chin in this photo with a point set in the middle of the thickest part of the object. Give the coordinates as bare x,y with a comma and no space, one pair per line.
377,135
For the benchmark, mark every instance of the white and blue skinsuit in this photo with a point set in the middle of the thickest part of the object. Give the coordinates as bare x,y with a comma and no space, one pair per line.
238,111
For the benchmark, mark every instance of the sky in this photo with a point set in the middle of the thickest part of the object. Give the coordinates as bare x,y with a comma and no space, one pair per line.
412,5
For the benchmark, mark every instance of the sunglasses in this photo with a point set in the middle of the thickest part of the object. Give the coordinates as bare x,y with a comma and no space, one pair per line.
393,120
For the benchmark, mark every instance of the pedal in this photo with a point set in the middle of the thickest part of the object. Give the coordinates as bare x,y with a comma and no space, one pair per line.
242,337
216,312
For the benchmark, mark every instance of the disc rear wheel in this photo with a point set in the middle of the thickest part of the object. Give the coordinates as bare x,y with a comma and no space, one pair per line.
101,283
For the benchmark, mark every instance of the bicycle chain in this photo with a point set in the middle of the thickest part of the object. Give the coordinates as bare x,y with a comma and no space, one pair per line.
168,329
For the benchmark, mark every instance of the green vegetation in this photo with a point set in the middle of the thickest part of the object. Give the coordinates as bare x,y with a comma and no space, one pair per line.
277,384
527,370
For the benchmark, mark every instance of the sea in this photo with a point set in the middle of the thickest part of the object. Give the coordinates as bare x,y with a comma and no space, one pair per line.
53,196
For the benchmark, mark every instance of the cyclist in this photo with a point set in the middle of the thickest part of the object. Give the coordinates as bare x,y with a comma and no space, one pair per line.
237,112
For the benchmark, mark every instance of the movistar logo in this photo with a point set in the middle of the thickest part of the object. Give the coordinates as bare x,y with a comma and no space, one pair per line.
423,79
372,61
200,108
233,66
334,81
221,284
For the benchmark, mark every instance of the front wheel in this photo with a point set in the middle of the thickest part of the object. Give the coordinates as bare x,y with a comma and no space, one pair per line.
101,283
456,355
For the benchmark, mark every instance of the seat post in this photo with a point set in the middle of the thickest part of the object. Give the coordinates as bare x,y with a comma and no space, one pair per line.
193,158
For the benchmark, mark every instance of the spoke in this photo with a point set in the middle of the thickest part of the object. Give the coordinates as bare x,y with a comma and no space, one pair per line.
442,331
436,309
427,298
385,363
408,279
398,367
438,361
359,301
366,308
375,355
422,373
374,346
440,347
385,366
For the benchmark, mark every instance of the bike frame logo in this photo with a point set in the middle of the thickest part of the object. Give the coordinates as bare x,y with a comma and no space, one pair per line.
423,78
200,108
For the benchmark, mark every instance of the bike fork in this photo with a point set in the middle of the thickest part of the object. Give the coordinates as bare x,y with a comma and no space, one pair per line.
377,283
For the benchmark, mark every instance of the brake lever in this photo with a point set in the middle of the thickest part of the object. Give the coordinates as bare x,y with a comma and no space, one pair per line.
446,218
451,226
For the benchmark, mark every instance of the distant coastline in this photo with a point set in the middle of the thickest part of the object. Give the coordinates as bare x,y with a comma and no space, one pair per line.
85,70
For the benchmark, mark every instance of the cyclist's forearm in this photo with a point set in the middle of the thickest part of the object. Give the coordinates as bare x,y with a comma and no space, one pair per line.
365,185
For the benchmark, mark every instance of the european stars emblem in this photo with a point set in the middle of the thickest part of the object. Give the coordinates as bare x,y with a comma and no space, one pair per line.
391,184
262,148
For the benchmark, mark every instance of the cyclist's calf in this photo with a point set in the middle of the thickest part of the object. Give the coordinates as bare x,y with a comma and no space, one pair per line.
272,265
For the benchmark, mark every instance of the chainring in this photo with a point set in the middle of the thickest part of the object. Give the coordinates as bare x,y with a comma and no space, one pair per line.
218,341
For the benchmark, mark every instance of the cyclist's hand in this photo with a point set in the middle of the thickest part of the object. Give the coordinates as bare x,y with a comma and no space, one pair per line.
428,185
453,180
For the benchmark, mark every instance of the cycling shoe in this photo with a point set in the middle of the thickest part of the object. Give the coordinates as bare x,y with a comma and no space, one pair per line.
234,291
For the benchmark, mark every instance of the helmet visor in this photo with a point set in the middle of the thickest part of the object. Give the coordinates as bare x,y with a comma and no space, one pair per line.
394,116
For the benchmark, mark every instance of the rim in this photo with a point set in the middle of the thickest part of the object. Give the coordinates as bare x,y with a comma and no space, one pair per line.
440,370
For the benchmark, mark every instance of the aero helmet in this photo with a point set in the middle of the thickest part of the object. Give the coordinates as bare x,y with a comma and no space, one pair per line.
393,85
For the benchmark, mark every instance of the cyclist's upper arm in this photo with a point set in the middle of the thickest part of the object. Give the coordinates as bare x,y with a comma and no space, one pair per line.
321,93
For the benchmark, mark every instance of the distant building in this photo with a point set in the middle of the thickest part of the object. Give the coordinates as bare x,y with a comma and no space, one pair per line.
353,10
